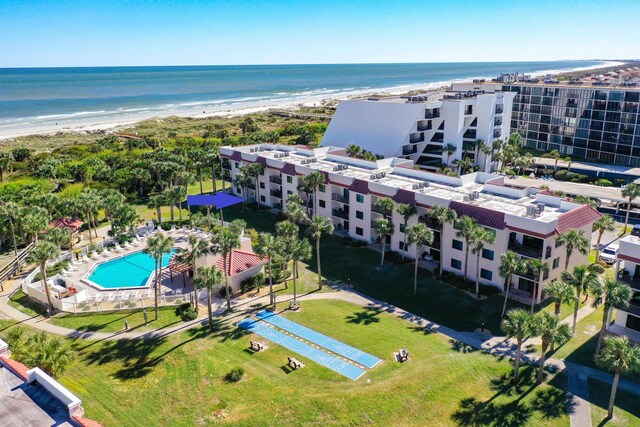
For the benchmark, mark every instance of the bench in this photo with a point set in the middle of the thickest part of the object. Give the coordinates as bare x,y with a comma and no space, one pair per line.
294,305
257,346
294,363
403,355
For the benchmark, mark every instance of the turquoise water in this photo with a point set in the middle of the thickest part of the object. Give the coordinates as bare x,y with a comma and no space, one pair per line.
131,271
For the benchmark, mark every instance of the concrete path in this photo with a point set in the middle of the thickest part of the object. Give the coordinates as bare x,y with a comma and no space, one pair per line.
580,415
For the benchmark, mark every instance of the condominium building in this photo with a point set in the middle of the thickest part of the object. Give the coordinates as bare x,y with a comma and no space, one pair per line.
419,127
526,221
595,123
628,267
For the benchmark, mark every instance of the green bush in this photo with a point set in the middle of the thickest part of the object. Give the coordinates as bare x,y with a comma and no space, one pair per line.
253,282
353,243
186,312
396,258
235,375
52,270
603,183
223,291
564,175
252,234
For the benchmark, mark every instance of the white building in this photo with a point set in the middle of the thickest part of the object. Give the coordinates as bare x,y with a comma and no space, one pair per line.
526,221
418,127
628,321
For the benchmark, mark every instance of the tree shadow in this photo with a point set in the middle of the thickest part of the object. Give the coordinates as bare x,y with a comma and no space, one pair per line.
132,353
366,317
461,347
505,385
425,330
473,412
553,403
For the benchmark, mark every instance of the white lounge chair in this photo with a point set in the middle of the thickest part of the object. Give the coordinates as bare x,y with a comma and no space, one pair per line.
72,267
85,258
65,273
95,255
105,252
117,248
127,245
111,297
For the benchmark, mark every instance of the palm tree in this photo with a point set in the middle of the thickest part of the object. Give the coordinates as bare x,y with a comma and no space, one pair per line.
555,155
581,279
208,278
242,181
442,215
300,251
383,227
223,243
418,235
157,246
315,179
406,211
41,254
477,145
510,263
9,211
58,236
573,239
255,170
605,223
610,294
561,293
34,219
517,325
450,149
551,332
211,158
464,164
384,205
354,150
269,246
90,203
157,202
483,237
318,227
487,151
620,357
51,354
536,266
467,229
196,247
631,192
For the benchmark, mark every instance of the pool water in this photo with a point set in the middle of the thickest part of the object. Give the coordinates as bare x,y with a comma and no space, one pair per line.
130,271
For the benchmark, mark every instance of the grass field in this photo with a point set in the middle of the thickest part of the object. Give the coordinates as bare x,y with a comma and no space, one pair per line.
625,413
179,381
113,321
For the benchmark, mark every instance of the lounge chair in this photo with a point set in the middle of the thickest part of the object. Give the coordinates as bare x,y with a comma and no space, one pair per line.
294,363
105,252
117,247
85,259
94,255
65,273
127,245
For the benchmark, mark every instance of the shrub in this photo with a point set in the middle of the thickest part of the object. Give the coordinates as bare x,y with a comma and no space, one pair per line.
223,291
489,290
396,258
253,282
564,175
251,233
235,375
545,171
603,183
186,312
353,243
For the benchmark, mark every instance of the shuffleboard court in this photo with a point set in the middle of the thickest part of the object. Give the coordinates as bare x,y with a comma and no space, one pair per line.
335,346
325,359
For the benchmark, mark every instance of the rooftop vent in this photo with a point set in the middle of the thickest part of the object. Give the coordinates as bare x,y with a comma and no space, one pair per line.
377,176
541,206
533,210
280,155
307,161
474,195
339,168
419,185
466,199
256,149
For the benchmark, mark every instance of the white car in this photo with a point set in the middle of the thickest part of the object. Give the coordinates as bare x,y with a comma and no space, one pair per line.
609,254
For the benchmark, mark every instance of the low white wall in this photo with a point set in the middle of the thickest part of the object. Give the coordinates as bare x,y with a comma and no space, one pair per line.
57,390
4,347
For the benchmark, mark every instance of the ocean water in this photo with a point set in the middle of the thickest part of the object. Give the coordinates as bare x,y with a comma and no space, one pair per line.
32,97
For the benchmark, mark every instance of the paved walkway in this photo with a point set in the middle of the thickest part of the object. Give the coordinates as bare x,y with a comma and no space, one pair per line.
580,416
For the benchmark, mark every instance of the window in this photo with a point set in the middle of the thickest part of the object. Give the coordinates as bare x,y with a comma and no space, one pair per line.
486,274
402,246
322,203
487,254
289,179
359,198
359,231
289,192
237,165
262,199
456,244
402,228
556,262
262,185
322,188
359,215
456,263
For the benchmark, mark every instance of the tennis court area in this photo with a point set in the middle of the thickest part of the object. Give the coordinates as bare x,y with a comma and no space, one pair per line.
294,344
319,339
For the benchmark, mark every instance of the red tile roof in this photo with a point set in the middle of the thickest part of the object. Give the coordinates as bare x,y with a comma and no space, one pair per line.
546,193
577,218
72,225
85,422
484,216
359,186
239,261
288,169
405,196
15,366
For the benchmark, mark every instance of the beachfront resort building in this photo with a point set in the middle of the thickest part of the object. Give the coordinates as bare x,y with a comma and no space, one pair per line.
418,128
584,121
526,221
628,267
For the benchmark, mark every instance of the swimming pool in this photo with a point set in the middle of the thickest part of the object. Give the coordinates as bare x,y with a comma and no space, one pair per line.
130,271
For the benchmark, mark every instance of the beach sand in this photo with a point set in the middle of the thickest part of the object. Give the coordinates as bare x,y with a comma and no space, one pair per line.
92,124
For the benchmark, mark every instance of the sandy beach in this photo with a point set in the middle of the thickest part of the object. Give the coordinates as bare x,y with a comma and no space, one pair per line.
115,121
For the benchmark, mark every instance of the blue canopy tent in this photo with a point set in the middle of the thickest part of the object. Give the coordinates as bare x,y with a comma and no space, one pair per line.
217,201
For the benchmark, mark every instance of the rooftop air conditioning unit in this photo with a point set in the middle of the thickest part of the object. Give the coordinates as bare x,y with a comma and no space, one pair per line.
466,199
541,206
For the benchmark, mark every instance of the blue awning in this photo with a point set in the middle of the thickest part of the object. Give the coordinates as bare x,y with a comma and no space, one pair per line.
218,201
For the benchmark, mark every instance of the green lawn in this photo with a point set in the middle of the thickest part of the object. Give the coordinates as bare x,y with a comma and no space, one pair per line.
626,411
179,380
566,310
21,301
113,321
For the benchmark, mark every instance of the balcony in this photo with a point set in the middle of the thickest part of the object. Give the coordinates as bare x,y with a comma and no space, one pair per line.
415,138
409,149
226,165
499,110
276,193
497,121
340,213
251,186
432,114
275,180
429,222
376,209
340,198
525,251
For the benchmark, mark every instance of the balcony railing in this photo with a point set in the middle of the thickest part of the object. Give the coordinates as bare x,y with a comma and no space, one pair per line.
339,213
525,250
275,180
340,198
499,110
431,115
429,222
276,193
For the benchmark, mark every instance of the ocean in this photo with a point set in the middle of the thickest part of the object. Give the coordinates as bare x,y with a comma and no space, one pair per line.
33,99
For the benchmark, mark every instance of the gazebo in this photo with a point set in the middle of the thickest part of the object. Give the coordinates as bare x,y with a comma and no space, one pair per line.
179,268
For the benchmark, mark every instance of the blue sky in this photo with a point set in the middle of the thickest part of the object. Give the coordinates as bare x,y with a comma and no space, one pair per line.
190,32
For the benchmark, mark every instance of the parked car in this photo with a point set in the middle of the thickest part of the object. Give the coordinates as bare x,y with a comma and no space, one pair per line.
609,254
635,231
